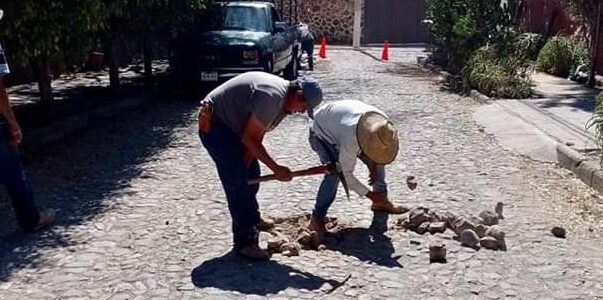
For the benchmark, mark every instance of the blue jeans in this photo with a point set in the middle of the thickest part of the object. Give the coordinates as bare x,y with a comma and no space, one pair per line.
12,178
308,47
227,151
328,188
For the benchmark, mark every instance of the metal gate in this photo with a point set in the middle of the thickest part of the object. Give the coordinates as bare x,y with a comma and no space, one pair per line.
398,21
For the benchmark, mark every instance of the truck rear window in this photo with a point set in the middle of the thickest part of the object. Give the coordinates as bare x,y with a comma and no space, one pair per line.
231,17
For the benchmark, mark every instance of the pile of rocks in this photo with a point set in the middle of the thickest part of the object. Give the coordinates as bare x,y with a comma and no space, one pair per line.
475,232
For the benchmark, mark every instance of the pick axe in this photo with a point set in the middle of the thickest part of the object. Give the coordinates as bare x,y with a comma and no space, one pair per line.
331,168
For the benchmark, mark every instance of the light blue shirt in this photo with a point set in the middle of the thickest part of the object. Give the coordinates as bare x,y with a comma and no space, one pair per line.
335,123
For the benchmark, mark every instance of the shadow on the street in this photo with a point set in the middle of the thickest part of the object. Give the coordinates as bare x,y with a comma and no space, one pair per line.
407,70
70,99
230,273
367,244
83,176
582,102
403,69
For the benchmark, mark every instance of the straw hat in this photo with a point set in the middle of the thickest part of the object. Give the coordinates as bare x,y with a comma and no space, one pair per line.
378,138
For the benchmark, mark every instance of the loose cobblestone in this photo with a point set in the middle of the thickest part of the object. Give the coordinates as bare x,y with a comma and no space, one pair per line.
142,214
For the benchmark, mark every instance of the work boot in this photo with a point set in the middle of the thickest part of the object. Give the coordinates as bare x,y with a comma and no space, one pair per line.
317,225
388,207
265,224
254,252
46,218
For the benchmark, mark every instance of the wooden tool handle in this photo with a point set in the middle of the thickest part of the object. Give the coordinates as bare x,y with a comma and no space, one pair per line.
306,172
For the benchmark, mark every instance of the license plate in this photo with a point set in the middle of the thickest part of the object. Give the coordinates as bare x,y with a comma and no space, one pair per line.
209,76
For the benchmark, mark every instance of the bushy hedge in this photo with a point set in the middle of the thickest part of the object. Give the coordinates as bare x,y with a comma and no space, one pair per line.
529,44
596,121
561,55
498,75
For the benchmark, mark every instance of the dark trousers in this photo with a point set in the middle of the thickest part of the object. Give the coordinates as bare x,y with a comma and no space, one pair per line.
227,151
308,47
12,178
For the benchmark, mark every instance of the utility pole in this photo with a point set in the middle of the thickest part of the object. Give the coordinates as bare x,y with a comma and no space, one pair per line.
357,21
595,47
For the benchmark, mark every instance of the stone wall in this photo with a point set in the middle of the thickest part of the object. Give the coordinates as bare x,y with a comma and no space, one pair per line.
333,19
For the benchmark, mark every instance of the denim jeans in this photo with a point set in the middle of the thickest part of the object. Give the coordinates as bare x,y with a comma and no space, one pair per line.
328,188
13,179
227,151
308,47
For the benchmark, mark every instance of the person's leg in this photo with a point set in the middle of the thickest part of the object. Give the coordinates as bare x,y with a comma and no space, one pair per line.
328,188
326,196
308,47
13,178
380,185
253,171
226,150
311,56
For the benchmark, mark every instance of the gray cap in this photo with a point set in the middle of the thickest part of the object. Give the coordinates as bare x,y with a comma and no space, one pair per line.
312,92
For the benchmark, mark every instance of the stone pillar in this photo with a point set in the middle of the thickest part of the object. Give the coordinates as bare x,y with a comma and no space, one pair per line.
357,21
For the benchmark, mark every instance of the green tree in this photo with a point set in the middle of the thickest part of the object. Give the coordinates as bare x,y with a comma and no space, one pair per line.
36,31
590,11
459,27
141,21
162,15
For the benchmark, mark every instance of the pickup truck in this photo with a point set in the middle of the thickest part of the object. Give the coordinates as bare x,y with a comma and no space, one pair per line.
236,37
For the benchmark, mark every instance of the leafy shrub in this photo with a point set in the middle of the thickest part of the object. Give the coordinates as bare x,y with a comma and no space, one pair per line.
529,44
597,121
560,55
498,76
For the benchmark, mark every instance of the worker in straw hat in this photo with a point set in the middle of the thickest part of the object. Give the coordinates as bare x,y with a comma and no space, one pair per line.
344,131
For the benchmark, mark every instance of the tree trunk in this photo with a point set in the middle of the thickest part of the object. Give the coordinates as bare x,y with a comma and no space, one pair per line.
147,54
114,81
549,27
41,68
595,48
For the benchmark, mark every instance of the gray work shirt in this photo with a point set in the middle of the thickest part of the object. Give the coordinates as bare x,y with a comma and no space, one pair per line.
258,93
305,34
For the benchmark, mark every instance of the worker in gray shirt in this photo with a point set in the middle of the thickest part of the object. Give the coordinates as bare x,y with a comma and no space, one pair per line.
233,120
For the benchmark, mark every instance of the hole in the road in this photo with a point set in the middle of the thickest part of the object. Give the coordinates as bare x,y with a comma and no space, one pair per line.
290,237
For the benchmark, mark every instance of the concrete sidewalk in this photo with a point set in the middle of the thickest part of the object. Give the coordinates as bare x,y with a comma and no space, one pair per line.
551,127
559,113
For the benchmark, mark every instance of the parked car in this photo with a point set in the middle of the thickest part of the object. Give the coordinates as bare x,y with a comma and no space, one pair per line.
236,37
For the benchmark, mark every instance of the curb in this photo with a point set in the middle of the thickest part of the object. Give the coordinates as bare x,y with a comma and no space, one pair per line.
61,129
479,96
587,170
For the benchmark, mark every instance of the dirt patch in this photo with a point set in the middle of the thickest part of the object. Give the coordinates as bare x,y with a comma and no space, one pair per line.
290,235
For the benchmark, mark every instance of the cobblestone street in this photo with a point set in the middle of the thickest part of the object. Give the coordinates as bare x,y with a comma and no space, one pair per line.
142,214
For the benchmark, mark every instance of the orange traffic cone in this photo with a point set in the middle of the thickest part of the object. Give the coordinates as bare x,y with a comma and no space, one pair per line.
385,53
323,48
